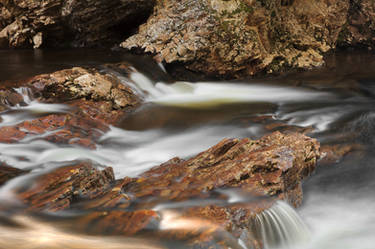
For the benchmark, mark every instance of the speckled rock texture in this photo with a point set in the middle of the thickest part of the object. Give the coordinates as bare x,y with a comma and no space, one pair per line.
238,38
33,23
359,29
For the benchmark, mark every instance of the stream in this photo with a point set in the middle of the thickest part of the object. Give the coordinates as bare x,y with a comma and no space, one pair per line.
335,104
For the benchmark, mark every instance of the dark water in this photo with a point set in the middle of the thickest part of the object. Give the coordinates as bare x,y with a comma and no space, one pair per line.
334,104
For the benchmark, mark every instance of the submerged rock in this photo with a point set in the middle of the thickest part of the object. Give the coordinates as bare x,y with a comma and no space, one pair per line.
60,23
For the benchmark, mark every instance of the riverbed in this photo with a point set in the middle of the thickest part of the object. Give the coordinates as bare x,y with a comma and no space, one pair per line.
334,104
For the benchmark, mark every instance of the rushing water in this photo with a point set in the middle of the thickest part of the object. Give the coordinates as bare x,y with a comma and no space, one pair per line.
183,118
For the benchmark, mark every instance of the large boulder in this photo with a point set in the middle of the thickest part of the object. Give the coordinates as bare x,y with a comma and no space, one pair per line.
239,38
28,23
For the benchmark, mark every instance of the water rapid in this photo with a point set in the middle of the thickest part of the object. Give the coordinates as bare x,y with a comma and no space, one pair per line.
184,118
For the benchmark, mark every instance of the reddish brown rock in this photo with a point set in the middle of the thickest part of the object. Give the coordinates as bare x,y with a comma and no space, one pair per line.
10,98
56,190
270,166
7,173
96,100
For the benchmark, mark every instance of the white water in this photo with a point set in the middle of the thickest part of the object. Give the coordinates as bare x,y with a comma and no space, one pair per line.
334,222
31,107
339,222
203,94
281,227
128,152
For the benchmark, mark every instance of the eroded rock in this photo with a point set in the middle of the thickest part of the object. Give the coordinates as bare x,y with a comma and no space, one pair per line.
271,166
241,37
263,170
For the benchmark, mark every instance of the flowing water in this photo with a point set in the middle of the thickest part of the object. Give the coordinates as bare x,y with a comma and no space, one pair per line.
334,105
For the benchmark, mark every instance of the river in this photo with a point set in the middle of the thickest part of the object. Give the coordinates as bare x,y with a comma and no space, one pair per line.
335,104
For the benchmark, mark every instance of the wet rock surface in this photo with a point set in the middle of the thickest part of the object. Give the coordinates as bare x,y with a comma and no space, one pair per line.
272,166
7,173
56,190
61,23
93,101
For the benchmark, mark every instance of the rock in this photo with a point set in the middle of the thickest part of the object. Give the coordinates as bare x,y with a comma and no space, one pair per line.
57,189
7,173
359,28
271,166
89,84
60,23
238,38
96,100
10,98
263,170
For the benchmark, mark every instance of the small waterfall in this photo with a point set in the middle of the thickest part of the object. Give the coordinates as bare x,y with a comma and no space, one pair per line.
26,93
281,227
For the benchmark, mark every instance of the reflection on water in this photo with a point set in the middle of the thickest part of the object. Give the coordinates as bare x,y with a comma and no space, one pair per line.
33,234
183,118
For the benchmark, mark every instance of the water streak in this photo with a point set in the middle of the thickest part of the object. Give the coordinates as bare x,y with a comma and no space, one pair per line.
281,227
203,94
